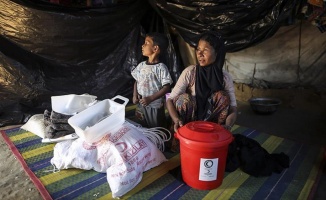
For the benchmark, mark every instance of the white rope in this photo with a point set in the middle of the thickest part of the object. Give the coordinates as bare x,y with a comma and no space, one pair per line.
157,135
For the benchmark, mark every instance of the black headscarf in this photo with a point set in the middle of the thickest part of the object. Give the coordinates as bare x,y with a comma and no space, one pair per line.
209,79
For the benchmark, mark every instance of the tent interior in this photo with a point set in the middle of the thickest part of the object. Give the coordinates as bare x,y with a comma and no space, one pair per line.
58,47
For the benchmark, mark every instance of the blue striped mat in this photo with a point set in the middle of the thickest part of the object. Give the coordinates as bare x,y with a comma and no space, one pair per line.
297,182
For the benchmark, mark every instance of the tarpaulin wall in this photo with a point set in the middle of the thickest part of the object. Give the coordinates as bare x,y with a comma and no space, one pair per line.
295,57
241,23
48,50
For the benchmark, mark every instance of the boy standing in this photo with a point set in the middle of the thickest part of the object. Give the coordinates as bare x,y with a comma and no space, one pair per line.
153,81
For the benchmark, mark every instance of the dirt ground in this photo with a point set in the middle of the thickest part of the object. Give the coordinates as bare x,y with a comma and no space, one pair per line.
301,117
14,182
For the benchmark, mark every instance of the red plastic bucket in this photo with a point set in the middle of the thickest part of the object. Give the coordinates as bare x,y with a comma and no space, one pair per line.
203,152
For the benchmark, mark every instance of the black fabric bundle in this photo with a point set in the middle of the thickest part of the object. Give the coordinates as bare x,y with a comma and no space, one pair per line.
253,159
56,124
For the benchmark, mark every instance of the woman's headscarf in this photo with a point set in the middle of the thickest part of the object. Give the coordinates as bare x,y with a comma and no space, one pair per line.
209,79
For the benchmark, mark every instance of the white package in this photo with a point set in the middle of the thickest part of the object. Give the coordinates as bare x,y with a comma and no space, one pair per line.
124,155
35,125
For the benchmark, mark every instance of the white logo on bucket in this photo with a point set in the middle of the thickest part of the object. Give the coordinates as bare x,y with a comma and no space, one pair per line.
208,169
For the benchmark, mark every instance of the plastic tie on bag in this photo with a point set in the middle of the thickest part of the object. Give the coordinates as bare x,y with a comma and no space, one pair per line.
54,170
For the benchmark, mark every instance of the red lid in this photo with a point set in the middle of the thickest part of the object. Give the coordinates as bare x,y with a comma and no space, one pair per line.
203,131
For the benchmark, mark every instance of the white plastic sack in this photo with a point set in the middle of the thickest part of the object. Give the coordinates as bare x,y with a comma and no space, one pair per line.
35,125
72,103
72,154
124,155
134,155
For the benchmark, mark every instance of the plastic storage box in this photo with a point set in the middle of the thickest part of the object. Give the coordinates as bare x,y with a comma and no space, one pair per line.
100,119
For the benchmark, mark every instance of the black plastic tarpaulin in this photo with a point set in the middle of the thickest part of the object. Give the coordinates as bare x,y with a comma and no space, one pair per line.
242,23
48,50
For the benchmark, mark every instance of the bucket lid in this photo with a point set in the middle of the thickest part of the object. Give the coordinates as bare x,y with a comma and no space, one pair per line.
203,131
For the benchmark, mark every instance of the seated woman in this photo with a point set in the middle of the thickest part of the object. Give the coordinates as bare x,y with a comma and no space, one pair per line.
204,91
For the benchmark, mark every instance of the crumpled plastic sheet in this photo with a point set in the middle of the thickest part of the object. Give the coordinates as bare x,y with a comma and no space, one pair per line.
48,50
241,23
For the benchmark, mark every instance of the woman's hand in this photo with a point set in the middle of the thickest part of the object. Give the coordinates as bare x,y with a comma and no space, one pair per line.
177,124
227,127
231,118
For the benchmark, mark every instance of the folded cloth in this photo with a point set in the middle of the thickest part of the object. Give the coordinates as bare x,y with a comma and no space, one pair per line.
62,127
55,118
53,134
56,124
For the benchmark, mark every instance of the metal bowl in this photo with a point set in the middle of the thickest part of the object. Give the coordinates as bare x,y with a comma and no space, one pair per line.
264,105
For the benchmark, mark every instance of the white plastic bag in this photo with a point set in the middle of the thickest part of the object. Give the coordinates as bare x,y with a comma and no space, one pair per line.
134,155
73,154
124,155
35,125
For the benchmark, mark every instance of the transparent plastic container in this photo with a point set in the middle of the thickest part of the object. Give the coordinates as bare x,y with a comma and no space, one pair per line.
100,119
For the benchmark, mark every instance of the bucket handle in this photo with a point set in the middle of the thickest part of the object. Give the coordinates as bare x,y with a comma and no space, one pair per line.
205,127
124,99
199,126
